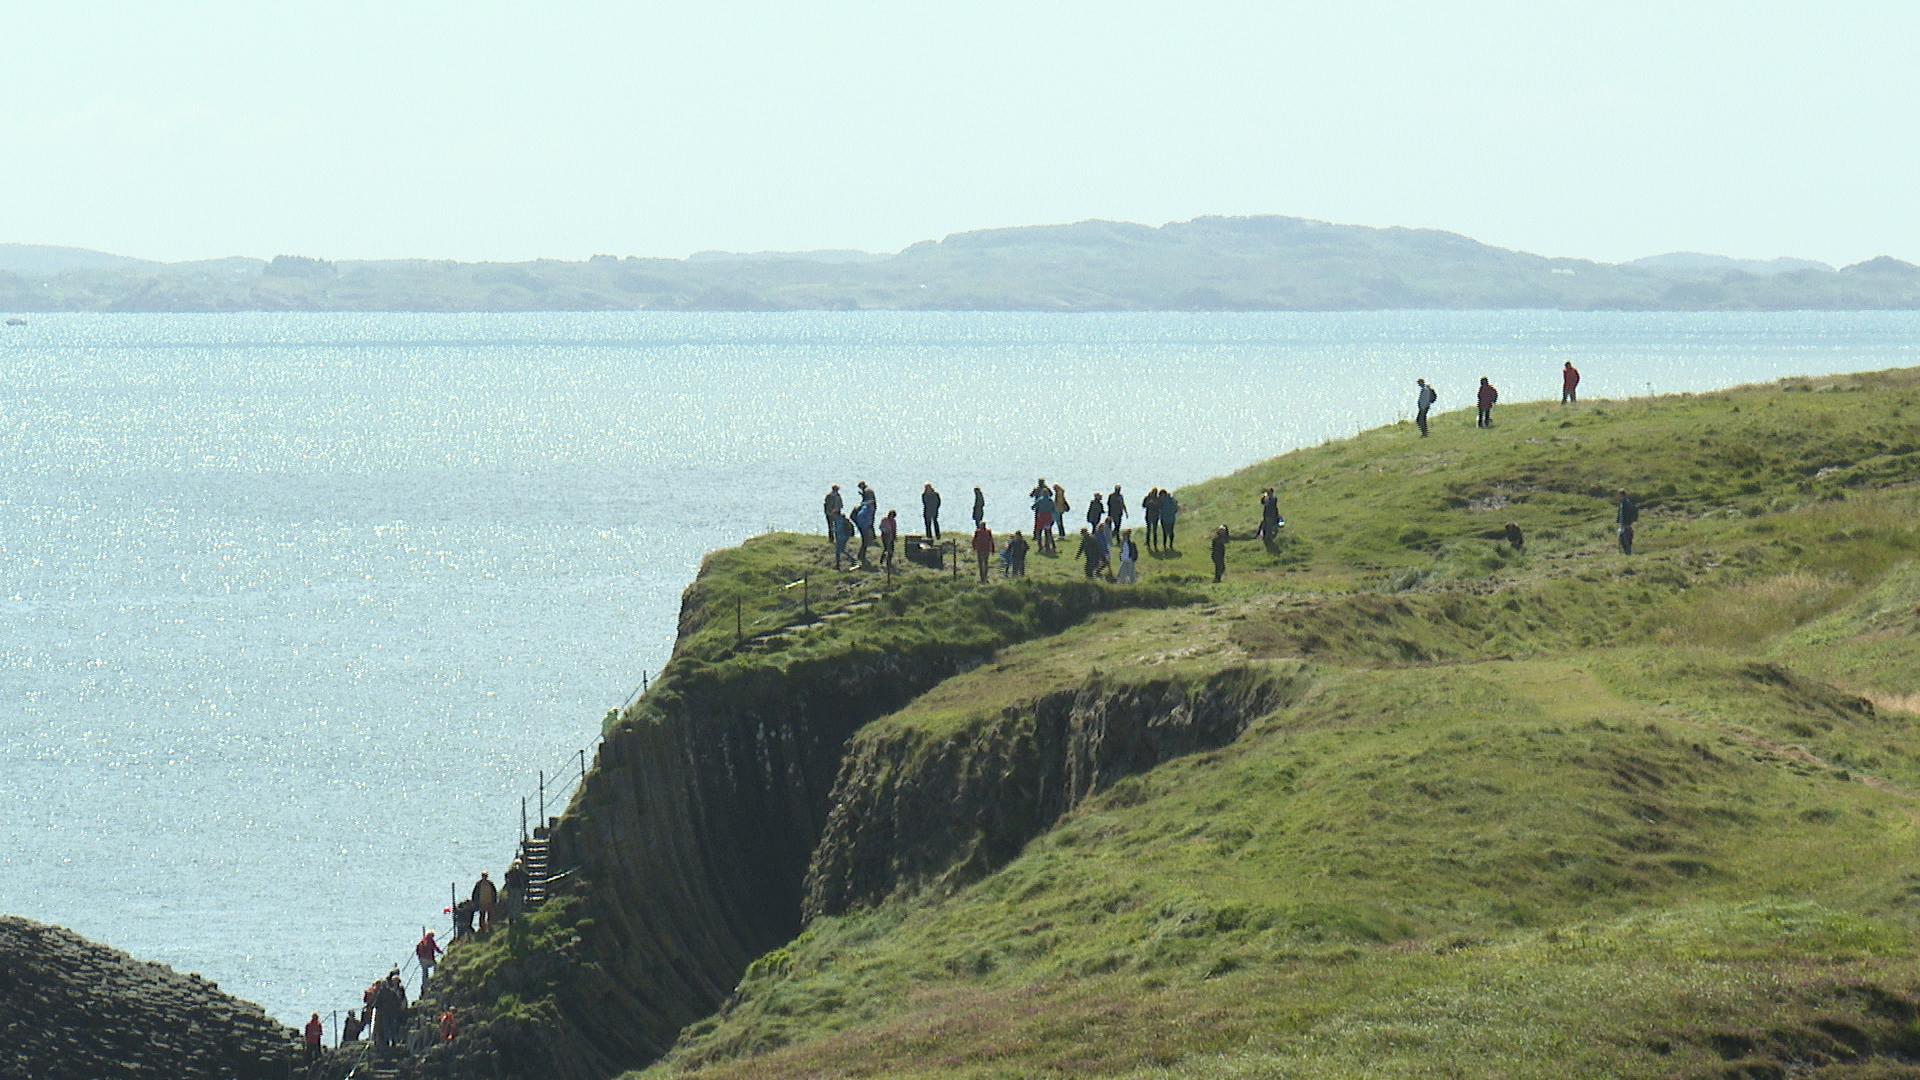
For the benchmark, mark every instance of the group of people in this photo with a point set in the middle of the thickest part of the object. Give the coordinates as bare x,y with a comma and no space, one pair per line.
843,526
384,1003
1487,397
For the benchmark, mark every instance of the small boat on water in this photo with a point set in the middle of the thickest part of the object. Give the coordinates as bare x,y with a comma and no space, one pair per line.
16,322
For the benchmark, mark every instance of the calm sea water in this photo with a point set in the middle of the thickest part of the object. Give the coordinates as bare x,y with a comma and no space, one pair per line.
294,607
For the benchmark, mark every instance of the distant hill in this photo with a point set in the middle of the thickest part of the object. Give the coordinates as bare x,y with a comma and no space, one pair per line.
1208,264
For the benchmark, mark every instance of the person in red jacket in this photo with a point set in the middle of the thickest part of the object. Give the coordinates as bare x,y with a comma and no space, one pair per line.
449,1025
1488,395
983,548
427,952
1569,382
314,1032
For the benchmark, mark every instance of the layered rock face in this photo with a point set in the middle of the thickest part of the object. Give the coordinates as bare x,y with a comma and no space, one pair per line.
70,1008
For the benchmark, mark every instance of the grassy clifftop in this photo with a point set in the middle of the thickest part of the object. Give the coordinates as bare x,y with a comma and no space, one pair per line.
1555,812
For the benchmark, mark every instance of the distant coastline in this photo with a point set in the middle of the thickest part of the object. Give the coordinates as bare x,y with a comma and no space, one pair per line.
1207,264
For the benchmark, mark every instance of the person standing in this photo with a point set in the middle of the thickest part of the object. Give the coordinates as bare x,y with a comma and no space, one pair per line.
1150,509
485,896
1017,555
1043,517
1488,395
979,507
863,524
1116,508
867,497
1169,514
516,889
930,511
1421,404
350,1028
1269,517
1219,554
1103,539
889,532
1096,510
1623,518
982,548
1569,384
427,951
1060,509
313,1036
832,504
842,532
1129,559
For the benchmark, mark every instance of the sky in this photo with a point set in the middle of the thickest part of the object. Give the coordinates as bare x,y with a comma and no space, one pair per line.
489,131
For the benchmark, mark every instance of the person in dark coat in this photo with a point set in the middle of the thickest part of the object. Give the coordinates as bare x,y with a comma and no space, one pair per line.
1625,514
1090,551
1150,509
351,1027
930,511
485,896
1096,510
889,532
1488,395
832,504
1219,554
1169,516
982,548
1116,508
1269,517
1017,555
1569,384
1422,402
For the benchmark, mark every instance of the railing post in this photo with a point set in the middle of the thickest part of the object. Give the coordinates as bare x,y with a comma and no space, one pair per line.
523,819
806,599
643,682
738,633
543,797
583,764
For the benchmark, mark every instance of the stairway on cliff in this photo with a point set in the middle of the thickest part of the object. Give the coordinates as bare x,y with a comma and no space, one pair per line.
536,860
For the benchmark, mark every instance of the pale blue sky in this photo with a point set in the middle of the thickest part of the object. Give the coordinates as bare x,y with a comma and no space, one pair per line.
1605,130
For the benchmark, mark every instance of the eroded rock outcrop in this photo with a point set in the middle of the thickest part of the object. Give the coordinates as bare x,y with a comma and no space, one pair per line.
73,1008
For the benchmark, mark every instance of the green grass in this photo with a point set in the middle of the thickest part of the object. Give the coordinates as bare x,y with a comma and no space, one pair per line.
1543,813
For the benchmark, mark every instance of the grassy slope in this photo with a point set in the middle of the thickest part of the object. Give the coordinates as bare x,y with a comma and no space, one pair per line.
1555,813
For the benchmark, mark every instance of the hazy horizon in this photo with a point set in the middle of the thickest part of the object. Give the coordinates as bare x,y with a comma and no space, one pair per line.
480,133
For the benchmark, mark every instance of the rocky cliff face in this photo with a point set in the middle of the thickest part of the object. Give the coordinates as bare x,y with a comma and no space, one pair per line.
76,1009
912,810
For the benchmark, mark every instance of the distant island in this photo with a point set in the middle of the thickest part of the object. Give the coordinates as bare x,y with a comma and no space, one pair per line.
1208,264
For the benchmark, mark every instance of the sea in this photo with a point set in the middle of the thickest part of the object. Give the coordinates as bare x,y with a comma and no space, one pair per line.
297,609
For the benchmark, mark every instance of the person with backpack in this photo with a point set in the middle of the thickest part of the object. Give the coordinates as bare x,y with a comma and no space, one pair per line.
1623,518
982,548
1043,511
1421,403
1219,554
832,504
1129,559
1569,384
1169,513
1488,395
979,507
930,511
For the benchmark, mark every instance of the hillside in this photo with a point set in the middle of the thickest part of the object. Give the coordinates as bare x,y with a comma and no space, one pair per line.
1394,799
75,1009
1208,264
